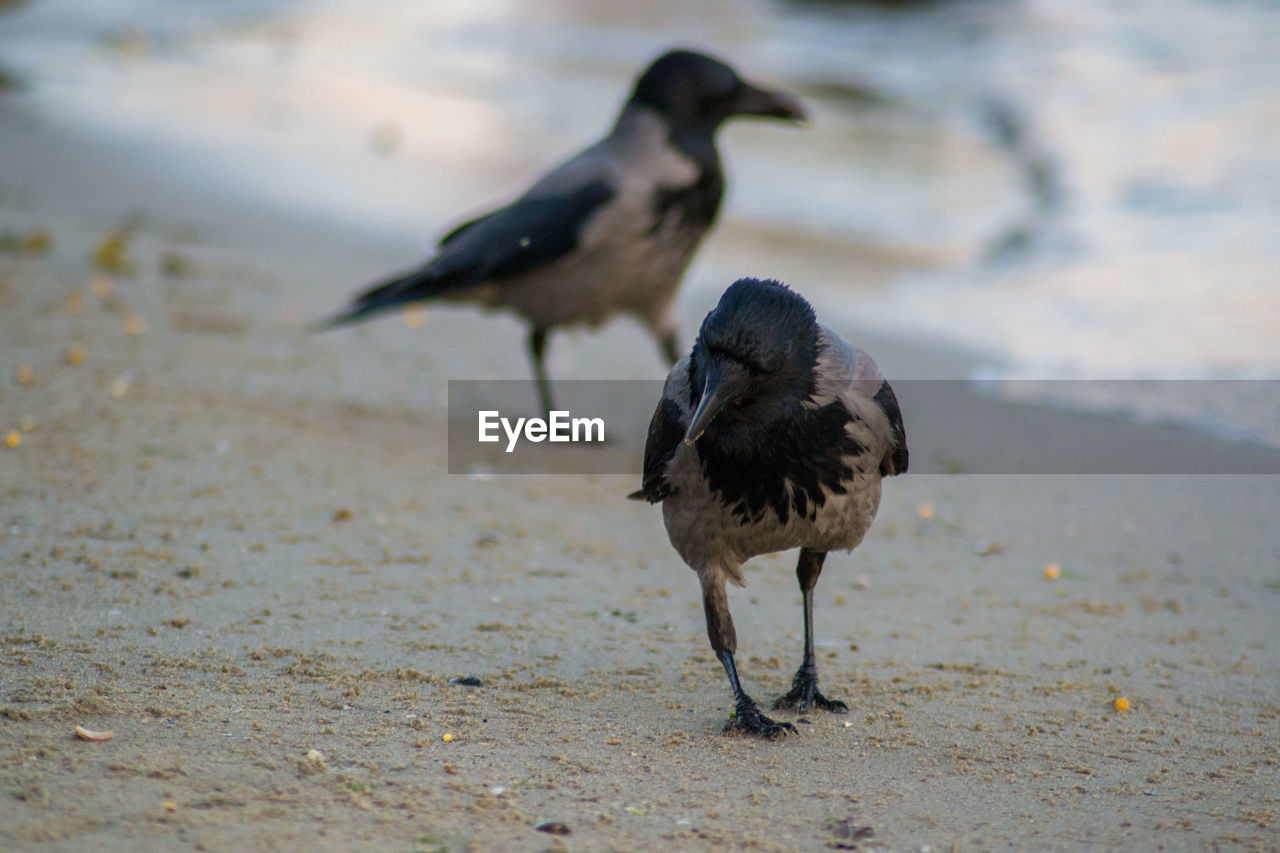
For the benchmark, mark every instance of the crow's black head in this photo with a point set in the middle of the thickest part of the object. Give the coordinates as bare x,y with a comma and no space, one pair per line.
754,357
693,91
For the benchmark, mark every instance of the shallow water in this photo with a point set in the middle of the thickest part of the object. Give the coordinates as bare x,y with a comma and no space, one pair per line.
1072,190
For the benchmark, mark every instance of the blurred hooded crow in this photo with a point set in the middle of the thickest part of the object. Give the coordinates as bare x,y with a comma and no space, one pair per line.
773,434
609,231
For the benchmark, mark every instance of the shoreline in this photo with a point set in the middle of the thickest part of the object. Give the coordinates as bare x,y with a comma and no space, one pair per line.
113,169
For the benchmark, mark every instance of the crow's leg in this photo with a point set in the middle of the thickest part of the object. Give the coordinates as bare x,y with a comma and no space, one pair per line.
747,717
804,688
724,642
669,343
538,349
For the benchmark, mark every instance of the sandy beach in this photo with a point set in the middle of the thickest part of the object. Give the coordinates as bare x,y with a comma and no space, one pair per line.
236,547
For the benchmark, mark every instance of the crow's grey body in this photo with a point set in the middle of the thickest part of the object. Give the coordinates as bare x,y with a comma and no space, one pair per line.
609,231
792,456
627,258
706,530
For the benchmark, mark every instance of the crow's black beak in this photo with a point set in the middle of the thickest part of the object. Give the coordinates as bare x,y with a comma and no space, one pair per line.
755,100
726,382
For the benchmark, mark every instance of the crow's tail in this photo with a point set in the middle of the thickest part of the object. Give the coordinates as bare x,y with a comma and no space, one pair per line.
400,290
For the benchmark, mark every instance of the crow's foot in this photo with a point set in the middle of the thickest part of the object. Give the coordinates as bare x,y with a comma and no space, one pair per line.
757,725
804,696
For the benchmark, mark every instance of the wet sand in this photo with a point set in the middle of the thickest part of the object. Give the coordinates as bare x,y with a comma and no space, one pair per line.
236,547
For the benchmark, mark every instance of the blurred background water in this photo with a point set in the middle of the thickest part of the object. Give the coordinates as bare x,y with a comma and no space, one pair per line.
1071,190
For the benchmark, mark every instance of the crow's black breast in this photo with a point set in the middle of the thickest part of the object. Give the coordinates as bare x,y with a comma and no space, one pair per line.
695,206
746,465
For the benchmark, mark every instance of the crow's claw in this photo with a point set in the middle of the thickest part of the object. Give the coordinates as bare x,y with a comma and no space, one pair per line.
805,696
757,725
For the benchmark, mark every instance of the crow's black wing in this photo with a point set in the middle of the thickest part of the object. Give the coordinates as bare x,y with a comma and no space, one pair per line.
516,239
896,461
666,431
463,226
529,233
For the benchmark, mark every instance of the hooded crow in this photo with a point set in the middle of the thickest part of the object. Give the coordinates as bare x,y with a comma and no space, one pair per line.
773,434
609,231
